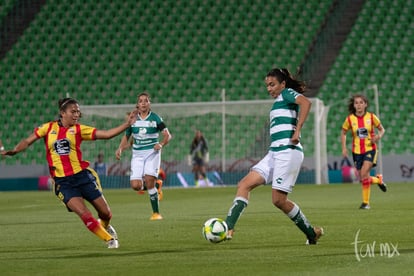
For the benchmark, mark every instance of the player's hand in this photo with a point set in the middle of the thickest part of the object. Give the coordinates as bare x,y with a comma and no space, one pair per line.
375,139
295,138
8,152
157,146
118,153
132,116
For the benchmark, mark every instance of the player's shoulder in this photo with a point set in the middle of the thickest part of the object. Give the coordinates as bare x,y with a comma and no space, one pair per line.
155,116
47,124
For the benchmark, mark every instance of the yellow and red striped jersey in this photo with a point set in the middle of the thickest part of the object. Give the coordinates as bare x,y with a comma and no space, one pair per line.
63,151
362,128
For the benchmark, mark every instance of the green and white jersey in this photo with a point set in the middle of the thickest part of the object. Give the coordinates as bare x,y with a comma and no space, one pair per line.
283,121
145,132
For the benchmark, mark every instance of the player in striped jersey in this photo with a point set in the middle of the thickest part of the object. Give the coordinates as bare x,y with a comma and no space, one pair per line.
74,180
362,125
282,163
146,150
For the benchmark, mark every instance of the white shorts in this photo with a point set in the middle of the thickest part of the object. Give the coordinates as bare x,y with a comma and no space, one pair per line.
145,162
280,168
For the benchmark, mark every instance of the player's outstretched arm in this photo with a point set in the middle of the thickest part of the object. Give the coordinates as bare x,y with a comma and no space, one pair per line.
21,146
110,133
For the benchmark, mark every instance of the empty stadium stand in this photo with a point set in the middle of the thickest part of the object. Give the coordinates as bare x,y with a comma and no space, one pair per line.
105,52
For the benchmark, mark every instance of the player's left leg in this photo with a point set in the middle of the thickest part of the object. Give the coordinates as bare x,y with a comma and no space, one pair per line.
105,215
378,179
153,195
93,193
77,205
287,165
292,210
151,169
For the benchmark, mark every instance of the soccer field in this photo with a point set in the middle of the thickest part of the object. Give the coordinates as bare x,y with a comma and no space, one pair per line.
39,237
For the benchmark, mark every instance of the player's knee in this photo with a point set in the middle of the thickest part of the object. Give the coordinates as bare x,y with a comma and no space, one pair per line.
106,215
136,185
279,202
150,181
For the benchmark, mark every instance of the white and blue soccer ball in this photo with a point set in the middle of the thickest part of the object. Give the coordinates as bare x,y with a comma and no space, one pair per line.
215,230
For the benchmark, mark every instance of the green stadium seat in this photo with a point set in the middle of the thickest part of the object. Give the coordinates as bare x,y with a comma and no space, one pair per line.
118,49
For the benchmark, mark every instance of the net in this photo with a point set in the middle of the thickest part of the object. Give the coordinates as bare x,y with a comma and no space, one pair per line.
237,133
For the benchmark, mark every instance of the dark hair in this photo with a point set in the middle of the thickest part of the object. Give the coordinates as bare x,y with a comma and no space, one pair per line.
63,103
283,74
351,107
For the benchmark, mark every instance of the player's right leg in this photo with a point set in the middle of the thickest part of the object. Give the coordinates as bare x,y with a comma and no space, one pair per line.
137,172
366,182
245,186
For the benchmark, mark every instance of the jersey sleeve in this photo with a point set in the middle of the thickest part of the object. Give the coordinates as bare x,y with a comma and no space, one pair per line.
376,120
88,132
128,132
160,123
41,131
290,95
345,125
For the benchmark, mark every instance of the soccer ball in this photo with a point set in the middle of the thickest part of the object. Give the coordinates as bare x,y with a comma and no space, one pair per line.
215,230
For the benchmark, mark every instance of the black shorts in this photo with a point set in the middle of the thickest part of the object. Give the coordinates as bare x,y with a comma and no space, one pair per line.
359,159
84,184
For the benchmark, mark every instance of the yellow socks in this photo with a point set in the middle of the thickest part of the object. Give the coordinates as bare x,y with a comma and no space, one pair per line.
366,190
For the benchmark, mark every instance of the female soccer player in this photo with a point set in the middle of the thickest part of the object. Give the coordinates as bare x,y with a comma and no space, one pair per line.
146,150
364,150
198,158
74,180
282,163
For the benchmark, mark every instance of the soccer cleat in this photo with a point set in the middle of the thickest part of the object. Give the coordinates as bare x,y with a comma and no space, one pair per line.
229,235
156,216
112,232
318,233
113,243
365,206
382,185
159,189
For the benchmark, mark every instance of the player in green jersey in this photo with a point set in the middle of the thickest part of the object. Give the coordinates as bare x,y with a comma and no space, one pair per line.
146,150
282,163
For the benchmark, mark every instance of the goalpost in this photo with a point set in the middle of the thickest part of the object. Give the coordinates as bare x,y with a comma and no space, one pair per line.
236,131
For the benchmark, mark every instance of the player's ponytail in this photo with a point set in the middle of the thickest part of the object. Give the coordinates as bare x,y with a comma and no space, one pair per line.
283,74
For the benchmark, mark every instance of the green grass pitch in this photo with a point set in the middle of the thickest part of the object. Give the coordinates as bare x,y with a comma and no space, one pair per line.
39,237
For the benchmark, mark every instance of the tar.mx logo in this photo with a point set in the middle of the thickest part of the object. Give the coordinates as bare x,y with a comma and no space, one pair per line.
365,249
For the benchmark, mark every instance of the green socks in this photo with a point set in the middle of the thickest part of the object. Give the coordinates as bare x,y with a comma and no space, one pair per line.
239,204
296,215
153,195
301,222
